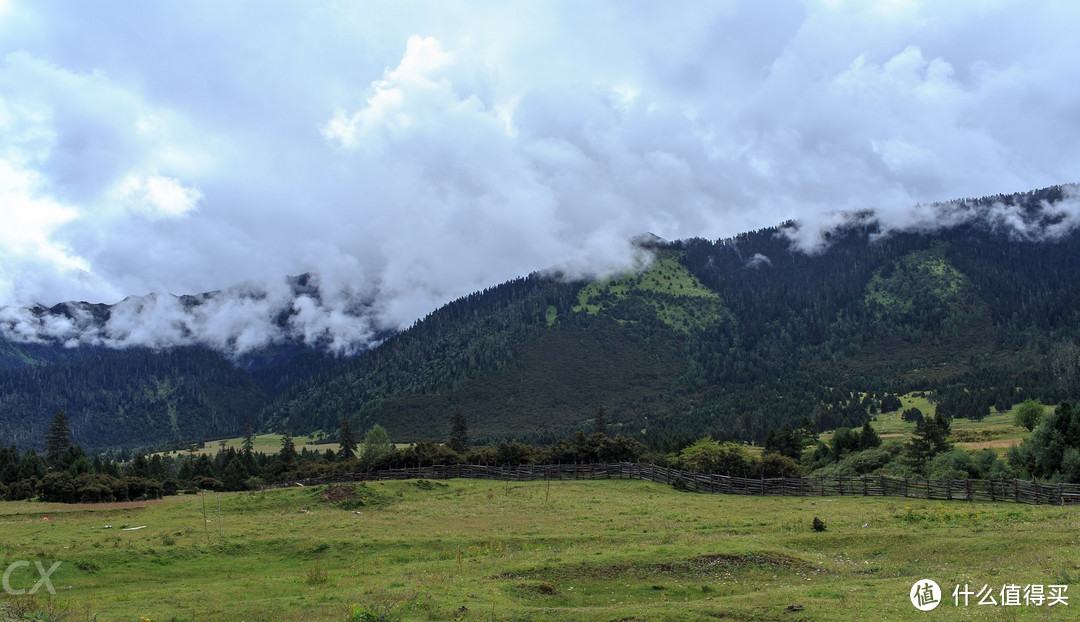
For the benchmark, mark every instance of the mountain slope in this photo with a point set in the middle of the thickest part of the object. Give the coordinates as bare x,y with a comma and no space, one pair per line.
736,336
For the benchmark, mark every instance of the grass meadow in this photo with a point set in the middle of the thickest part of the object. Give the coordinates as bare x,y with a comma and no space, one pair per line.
996,431
572,550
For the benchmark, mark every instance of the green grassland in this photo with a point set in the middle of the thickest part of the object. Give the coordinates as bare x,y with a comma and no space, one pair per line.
675,295
486,550
265,443
996,431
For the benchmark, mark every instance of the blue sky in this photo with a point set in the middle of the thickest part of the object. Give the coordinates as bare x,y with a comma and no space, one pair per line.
408,153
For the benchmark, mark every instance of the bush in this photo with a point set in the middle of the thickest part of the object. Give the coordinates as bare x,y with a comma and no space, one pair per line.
708,456
776,465
207,483
94,488
57,486
170,486
152,489
22,490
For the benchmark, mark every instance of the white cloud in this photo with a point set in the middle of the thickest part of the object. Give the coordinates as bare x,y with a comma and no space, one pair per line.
155,196
407,155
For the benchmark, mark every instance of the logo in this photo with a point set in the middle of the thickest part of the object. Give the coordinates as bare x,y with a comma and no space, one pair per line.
925,595
44,580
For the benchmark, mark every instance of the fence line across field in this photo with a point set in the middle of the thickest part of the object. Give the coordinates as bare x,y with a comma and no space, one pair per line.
1010,490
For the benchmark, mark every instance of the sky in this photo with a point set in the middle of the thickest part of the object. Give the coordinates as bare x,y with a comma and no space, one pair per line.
408,153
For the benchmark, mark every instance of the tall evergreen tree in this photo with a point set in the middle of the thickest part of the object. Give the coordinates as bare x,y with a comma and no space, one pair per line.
57,440
868,437
346,441
287,456
930,438
459,432
600,421
249,439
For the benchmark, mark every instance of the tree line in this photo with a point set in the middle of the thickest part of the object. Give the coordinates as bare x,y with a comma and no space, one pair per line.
65,473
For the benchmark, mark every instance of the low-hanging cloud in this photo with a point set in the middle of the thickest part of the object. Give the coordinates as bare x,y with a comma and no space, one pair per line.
405,156
236,321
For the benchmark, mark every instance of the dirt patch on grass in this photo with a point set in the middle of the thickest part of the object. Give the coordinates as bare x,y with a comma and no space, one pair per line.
1001,443
543,588
983,435
337,494
700,566
351,496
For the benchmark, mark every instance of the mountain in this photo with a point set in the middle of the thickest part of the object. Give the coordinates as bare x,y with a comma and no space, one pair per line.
734,337
977,302
157,370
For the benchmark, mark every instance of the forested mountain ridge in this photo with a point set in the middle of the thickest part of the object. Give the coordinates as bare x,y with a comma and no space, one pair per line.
737,336
731,338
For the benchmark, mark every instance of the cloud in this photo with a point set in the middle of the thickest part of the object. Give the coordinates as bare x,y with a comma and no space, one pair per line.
758,260
406,156
236,321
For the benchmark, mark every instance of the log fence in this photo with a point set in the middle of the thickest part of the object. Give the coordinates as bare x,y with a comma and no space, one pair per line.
1008,490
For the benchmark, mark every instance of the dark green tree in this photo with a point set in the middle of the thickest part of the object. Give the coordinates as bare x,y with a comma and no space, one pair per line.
287,456
912,415
459,432
600,421
234,476
930,438
787,442
249,439
30,465
1053,449
844,441
890,403
57,440
346,441
868,437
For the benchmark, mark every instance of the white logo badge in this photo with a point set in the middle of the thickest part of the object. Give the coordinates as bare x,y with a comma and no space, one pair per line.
925,595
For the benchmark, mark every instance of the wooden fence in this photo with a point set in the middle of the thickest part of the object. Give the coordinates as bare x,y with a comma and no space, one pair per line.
1010,490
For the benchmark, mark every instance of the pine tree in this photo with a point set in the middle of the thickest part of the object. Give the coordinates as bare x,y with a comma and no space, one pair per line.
459,432
930,438
288,454
57,440
600,421
868,437
346,441
249,439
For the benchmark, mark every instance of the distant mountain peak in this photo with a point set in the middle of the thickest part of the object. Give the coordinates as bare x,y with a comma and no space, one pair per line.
648,240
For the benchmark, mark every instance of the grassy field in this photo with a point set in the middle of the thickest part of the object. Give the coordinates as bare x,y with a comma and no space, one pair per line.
485,550
995,431
265,443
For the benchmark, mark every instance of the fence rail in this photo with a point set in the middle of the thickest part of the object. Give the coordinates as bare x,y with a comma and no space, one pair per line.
1009,490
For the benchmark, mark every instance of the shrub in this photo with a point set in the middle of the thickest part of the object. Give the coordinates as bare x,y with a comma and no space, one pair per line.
776,465
170,486
57,486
